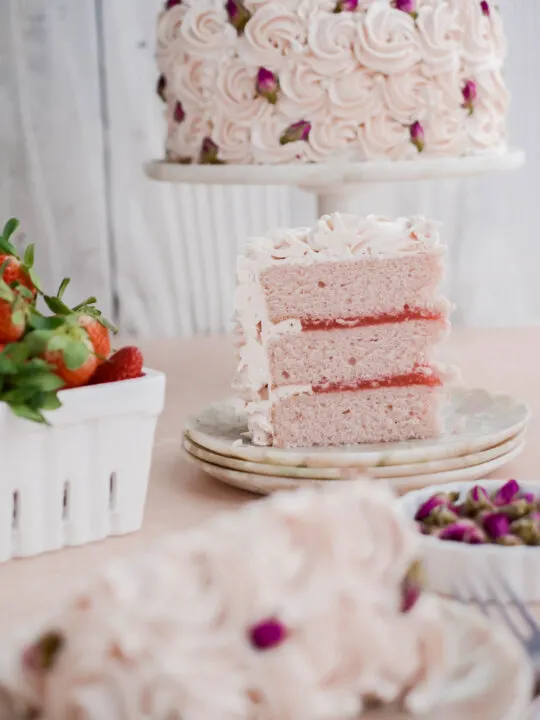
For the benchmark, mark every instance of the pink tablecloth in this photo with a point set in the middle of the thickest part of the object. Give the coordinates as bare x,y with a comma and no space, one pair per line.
199,371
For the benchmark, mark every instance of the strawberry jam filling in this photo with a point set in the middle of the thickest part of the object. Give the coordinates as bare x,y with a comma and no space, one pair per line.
417,377
353,322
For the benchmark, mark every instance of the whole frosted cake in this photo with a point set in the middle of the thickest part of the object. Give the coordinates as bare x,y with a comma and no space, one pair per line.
337,327
285,81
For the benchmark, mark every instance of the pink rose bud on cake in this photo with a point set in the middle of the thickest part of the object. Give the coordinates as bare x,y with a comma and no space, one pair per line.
411,588
346,6
179,114
506,494
407,6
238,14
267,634
417,136
295,132
267,85
485,7
171,3
209,153
42,654
470,94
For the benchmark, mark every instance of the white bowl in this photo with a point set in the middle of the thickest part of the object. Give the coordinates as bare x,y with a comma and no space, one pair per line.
452,567
84,476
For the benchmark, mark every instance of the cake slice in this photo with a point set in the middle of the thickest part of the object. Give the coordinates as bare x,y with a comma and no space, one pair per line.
337,328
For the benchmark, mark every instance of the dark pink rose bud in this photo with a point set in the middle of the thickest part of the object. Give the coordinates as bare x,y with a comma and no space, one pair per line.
485,8
417,136
528,497
496,525
161,87
171,3
267,85
407,6
295,132
505,494
267,634
41,655
179,114
477,499
346,6
425,510
470,93
411,587
209,153
238,14
464,531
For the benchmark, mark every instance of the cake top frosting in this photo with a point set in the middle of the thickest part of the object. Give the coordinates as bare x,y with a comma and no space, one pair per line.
297,606
341,236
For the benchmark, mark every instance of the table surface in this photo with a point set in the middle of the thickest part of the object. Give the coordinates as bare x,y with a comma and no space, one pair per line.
199,371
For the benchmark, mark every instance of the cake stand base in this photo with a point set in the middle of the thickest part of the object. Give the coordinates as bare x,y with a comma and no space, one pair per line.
337,186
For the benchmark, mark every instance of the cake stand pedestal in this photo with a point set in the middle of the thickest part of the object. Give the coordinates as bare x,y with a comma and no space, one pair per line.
338,187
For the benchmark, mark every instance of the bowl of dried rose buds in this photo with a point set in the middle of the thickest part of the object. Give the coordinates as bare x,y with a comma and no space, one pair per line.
472,534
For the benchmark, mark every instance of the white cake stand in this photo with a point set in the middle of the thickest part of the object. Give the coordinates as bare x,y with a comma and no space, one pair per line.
338,186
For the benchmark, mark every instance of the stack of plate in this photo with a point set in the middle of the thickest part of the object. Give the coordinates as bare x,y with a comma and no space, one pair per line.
483,431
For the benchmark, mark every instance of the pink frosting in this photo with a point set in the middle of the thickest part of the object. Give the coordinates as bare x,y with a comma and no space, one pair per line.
375,65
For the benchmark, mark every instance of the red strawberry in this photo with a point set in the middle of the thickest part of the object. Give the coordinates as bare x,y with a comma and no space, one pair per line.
99,336
13,314
73,377
124,364
16,272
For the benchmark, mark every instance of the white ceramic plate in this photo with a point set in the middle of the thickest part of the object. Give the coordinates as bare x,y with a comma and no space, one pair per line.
265,484
390,471
451,566
476,420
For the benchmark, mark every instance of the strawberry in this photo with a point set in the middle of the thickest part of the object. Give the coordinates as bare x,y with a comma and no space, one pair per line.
124,364
13,314
67,350
99,336
72,376
14,270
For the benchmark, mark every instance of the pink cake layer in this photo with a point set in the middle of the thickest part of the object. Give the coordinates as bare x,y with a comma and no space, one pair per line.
354,354
386,414
365,287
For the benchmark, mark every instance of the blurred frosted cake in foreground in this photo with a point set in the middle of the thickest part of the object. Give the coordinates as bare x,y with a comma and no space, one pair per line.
337,327
268,81
299,606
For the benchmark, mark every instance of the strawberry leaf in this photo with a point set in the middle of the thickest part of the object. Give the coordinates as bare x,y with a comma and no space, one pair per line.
37,341
28,258
10,227
35,280
18,318
56,305
40,322
24,411
75,355
44,381
58,342
62,289
50,401
7,365
18,352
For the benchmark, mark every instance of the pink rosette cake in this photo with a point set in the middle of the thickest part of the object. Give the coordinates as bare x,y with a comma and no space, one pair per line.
300,606
336,331
286,81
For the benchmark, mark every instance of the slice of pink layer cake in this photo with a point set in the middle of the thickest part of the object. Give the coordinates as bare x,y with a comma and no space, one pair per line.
337,327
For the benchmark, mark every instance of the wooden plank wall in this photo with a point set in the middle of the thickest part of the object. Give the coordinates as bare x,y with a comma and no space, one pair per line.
78,117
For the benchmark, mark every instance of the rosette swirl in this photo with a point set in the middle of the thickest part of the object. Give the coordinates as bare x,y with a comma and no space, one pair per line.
383,138
387,40
270,35
236,94
205,30
330,43
439,35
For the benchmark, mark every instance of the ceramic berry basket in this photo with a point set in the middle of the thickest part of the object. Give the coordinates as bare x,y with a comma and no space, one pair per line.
83,477
453,567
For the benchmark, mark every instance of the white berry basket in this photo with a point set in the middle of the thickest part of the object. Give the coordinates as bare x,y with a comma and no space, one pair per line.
84,476
453,568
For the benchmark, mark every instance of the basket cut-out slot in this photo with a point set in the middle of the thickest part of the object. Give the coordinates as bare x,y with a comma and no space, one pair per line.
112,491
66,501
16,511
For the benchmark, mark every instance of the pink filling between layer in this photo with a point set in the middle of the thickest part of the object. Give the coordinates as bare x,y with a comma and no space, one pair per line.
419,377
336,323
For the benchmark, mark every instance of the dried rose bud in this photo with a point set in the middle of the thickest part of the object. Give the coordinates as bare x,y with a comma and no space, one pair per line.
425,510
496,525
411,587
518,508
267,634
463,531
505,494
485,8
161,87
209,153
267,85
179,114
407,6
42,654
470,93
417,136
346,6
442,515
509,540
295,132
529,497
238,13
527,529
477,499
171,3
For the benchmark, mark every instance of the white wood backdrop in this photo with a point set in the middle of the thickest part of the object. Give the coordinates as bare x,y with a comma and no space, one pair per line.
79,116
